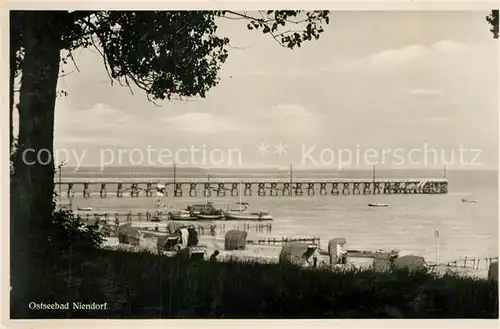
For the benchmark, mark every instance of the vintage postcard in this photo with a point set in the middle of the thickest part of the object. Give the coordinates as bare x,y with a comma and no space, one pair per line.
255,163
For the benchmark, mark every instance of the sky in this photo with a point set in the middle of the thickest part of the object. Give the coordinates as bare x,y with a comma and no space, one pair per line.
423,83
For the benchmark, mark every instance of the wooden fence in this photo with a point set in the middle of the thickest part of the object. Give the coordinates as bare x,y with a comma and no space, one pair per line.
472,262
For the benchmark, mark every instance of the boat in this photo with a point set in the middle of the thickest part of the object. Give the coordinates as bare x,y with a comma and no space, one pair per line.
243,212
182,215
378,205
197,212
469,201
208,212
84,208
216,216
156,219
246,215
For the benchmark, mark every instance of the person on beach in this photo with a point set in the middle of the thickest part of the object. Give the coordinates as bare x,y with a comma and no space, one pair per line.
213,257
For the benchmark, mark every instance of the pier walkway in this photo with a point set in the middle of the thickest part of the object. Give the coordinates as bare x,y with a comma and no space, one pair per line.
103,189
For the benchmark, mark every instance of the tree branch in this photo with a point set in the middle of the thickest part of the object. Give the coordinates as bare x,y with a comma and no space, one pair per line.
80,14
247,17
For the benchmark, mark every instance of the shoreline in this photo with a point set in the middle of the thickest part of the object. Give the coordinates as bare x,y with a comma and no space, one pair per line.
270,254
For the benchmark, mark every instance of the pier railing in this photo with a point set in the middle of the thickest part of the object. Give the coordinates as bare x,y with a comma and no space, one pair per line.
472,262
104,189
110,226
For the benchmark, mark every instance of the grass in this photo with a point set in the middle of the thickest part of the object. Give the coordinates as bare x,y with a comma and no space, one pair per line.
145,285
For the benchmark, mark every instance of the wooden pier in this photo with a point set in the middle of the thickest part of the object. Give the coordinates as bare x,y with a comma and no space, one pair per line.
113,220
104,189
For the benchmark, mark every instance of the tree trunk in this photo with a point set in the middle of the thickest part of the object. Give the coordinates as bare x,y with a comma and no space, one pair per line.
33,180
12,61
15,44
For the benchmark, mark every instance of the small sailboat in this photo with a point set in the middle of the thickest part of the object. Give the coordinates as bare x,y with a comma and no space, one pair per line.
378,205
245,215
469,201
182,215
243,212
208,212
205,211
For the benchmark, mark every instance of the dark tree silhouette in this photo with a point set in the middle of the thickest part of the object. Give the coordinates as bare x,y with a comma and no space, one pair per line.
165,53
492,19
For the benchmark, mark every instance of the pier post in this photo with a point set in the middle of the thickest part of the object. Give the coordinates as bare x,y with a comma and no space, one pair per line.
406,187
234,189
71,193
119,191
192,190
367,188
345,189
310,189
335,189
274,191
103,193
355,189
178,189
207,191
286,189
298,189
86,191
221,189
248,189
149,189
261,189
134,190
322,189
387,187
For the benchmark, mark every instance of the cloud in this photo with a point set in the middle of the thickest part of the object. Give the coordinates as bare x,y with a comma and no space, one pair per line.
99,124
98,117
449,46
395,58
290,110
424,92
437,119
200,123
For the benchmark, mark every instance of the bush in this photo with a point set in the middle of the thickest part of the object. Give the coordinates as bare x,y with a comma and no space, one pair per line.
68,232
144,285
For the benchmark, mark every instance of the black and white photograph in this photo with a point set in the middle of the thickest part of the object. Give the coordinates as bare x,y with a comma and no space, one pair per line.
252,164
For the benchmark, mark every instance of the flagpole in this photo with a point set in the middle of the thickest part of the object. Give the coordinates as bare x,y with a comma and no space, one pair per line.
437,235
438,251
174,181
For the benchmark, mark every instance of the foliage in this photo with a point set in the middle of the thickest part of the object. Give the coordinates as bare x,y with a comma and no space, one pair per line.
492,19
168,53
272,21
144,285
69,233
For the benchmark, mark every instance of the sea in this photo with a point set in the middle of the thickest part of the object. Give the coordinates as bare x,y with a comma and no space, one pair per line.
408,224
